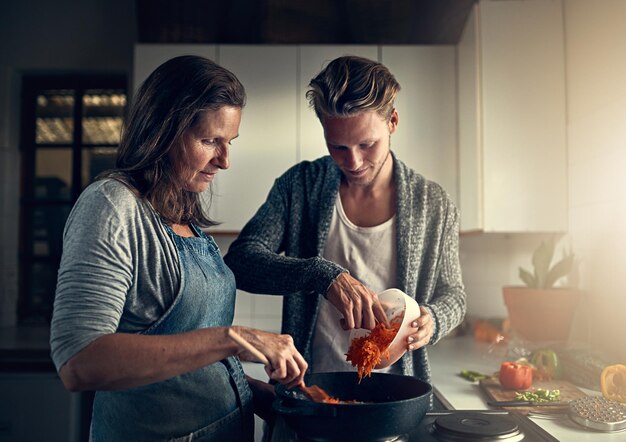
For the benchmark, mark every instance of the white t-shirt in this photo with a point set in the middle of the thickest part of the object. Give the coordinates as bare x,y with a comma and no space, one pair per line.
369,253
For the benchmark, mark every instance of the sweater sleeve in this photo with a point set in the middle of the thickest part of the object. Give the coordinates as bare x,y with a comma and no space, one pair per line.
257,256
448,304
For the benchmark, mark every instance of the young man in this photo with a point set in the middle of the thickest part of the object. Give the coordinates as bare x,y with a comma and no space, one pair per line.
336,231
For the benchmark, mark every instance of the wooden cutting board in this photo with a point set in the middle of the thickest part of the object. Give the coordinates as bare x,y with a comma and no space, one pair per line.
494,391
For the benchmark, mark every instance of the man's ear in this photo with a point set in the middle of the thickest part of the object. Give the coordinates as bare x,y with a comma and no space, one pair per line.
393,121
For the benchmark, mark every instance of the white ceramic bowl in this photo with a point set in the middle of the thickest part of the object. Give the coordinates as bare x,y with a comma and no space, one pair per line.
396,303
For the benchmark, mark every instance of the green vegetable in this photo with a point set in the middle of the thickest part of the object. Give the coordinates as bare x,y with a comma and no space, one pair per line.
547,362
539,395
473,376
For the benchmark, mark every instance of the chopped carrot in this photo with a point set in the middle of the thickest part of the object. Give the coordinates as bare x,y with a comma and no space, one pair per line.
366,352
318,394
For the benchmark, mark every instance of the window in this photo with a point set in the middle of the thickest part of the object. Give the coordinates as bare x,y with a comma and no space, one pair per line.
71,128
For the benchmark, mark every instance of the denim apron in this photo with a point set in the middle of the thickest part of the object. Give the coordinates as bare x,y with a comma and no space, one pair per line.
208,404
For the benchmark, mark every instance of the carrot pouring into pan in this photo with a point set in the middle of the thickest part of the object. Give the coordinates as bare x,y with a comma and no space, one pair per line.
366,352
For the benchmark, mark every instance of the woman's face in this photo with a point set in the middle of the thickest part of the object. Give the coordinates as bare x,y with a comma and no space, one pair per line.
205,147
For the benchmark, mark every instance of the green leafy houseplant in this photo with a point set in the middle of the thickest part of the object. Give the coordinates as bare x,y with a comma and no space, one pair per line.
545,274
540,311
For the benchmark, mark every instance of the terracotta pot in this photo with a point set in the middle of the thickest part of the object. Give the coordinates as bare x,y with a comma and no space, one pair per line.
539,315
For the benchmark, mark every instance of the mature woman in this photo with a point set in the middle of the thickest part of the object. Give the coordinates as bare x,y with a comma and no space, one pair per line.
143,299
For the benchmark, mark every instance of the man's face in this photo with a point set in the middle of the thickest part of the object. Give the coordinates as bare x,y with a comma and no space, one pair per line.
359,144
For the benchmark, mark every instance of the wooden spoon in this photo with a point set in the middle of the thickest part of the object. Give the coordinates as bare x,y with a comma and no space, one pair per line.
317,394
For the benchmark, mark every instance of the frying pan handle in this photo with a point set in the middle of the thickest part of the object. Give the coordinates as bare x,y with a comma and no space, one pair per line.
313,410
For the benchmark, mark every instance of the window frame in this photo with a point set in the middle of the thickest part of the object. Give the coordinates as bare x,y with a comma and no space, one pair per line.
32,86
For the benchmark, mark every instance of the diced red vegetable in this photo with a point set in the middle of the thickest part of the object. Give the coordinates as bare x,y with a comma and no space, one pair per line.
514,376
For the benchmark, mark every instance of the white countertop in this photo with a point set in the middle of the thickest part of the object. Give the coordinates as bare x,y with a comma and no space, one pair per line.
451,355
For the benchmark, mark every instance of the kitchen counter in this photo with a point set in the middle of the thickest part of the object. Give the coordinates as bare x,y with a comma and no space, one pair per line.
451,355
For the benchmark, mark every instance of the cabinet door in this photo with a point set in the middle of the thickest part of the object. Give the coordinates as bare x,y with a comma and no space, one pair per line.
524,131
426,137
149,56
312,60
266,146
512,89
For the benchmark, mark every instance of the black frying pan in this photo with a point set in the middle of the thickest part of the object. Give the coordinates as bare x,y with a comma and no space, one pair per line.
392,405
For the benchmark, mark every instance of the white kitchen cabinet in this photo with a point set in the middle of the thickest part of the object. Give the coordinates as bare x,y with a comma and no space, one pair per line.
267,141
512,121
426,137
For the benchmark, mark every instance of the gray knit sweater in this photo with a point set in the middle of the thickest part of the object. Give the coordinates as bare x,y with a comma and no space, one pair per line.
279,251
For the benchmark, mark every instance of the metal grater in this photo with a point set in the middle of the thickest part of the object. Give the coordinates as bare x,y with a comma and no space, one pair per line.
598,413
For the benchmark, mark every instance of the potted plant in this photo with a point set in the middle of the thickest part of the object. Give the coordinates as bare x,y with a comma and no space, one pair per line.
541,311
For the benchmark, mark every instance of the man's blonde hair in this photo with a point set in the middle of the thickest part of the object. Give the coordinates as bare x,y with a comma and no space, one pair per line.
350,85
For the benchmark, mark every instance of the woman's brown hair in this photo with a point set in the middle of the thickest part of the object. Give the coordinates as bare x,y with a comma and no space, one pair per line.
170,101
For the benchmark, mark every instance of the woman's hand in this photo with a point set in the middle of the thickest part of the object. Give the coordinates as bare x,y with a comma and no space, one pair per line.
359,305
286,364
423,331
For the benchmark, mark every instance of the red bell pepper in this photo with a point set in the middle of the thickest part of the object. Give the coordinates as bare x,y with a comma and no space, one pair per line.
514,376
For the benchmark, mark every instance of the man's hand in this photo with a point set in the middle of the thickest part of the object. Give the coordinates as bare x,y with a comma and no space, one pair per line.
423,331
359,305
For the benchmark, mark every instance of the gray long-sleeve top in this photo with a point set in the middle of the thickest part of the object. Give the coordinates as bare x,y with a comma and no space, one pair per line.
279,251
119,272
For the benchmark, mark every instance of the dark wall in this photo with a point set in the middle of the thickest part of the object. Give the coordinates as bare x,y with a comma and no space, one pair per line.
425,22
44,36
61,35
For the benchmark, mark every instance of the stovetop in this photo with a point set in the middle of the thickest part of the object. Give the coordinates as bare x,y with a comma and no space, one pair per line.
458,426
477,425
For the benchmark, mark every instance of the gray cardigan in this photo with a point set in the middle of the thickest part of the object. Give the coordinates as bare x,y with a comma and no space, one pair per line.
279,251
